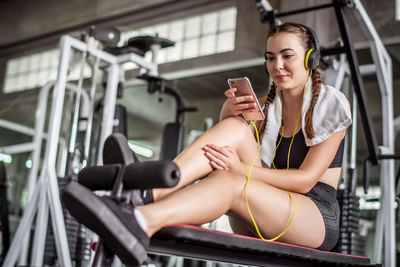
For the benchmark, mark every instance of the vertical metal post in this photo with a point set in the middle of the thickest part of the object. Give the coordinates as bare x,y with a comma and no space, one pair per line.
42,219
386,217
78,94
50,178
40,117
357,81
109,108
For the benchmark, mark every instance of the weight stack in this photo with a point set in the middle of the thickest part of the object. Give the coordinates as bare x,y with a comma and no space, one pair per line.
79,245
350,240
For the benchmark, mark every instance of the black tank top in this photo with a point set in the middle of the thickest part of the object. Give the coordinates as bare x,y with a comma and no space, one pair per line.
299,151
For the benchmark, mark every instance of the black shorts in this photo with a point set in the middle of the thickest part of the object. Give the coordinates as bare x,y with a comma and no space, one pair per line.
324,196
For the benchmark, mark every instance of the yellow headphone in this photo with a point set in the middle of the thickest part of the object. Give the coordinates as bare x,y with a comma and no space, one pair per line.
312,58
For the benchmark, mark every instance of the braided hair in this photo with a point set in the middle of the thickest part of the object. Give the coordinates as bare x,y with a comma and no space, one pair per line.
308,43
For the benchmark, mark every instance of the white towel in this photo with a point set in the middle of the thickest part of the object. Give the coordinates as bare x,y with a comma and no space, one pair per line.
331,114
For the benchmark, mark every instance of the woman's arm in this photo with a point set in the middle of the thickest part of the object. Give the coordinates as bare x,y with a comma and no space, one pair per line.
301,180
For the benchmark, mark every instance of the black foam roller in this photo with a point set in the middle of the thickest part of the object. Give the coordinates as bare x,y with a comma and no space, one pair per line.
98,177
151,174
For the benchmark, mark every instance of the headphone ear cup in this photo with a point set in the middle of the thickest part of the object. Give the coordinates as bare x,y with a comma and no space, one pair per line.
312,59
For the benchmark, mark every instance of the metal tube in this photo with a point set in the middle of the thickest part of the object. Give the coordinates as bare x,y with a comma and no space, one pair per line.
42,219
131,57
358,83
19,148
92,96
50,159
353,148
40,117
74,130
154,49
16,127
383,65
109,108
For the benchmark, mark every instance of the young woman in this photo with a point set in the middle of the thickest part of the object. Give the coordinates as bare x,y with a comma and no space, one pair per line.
292,188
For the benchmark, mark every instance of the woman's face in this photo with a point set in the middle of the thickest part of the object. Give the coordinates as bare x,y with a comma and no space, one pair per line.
285,55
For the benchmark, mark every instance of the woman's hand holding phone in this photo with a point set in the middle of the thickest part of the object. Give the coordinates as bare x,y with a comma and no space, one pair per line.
239,104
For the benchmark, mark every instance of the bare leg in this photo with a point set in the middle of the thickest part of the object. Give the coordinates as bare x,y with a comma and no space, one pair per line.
194,165
222,191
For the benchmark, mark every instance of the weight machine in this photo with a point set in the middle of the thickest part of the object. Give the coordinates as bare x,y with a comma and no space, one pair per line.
43,193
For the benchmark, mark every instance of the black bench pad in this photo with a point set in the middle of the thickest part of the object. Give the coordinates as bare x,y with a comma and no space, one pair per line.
199,243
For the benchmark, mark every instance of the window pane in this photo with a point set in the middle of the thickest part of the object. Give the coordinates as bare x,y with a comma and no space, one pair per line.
24,65
12,67
227,19
226,41
162,30
53,74
20,82
147,31
208,45
45,60
55,58
31,80
175,53
191,48
176,31
9,85
192,29
35,62
43,77
210,23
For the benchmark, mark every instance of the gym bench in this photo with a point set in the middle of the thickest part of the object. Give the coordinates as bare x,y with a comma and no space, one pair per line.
200,243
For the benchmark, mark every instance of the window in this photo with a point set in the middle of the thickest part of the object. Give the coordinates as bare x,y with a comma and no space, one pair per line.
200,35
30,71
206,34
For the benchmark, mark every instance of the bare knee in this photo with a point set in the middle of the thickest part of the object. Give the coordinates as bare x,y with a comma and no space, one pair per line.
239,127
235,123
231,181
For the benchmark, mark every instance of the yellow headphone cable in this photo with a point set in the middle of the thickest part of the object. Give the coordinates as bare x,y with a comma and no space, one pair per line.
287,167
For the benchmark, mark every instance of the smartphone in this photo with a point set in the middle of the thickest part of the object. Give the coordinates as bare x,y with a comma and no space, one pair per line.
244,87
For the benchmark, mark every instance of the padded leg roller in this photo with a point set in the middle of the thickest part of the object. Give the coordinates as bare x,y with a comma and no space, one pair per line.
140,175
